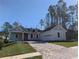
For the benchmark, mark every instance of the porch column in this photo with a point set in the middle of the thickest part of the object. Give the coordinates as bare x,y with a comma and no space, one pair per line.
9,35
22,36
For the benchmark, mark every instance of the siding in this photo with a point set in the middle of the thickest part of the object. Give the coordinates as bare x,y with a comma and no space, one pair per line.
14,38
52,35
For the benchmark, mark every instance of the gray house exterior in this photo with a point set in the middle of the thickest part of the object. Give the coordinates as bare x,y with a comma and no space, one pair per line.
57,32
23,34
54,33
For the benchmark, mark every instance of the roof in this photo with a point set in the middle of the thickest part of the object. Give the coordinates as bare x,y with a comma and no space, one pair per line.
22,29
51,27
32,29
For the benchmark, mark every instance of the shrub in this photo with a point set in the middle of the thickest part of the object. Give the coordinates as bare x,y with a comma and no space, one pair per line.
6,41
1,43
72,35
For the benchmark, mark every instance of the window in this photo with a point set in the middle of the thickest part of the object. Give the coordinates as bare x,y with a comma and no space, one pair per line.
58,35
37,36
33,30
31,35
16,36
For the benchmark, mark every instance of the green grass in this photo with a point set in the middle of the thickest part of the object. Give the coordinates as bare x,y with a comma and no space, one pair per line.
16,49
66,44
36,57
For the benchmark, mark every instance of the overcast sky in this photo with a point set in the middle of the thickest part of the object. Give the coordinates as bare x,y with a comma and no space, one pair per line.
26,12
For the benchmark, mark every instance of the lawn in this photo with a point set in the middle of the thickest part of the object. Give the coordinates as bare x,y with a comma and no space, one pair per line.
16,49
66,44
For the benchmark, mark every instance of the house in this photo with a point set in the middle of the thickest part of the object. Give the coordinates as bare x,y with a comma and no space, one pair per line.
23,34
50,34
54,33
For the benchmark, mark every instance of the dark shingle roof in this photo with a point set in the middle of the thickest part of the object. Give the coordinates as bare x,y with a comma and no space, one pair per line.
32,29
22,29
49,28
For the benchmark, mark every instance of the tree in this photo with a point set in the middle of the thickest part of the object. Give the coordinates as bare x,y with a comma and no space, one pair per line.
72,10
53,14
74,26
59,10
6,27
42,23
16,24
62,11
47,20
61,14
1,43
76,12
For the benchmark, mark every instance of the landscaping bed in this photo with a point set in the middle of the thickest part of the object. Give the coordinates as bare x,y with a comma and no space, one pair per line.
66,44
16,49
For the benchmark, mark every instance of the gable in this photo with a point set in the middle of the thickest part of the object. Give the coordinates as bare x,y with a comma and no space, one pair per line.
18,29
59,27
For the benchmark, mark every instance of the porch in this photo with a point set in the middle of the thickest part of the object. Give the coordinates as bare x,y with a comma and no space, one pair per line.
23,36
18,36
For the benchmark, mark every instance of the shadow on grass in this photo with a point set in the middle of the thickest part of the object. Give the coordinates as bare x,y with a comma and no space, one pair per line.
36,57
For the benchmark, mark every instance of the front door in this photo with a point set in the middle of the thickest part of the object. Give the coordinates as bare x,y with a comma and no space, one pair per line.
25,36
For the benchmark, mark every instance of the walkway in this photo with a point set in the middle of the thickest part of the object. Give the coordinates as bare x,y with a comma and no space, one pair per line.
52,51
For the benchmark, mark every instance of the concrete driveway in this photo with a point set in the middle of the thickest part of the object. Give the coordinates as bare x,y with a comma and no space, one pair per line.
52,51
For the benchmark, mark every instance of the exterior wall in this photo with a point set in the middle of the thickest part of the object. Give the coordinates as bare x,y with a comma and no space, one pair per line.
49,35
14,38
52,35
34,36
29,36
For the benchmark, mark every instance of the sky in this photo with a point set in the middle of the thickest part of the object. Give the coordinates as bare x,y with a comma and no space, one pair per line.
26,12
